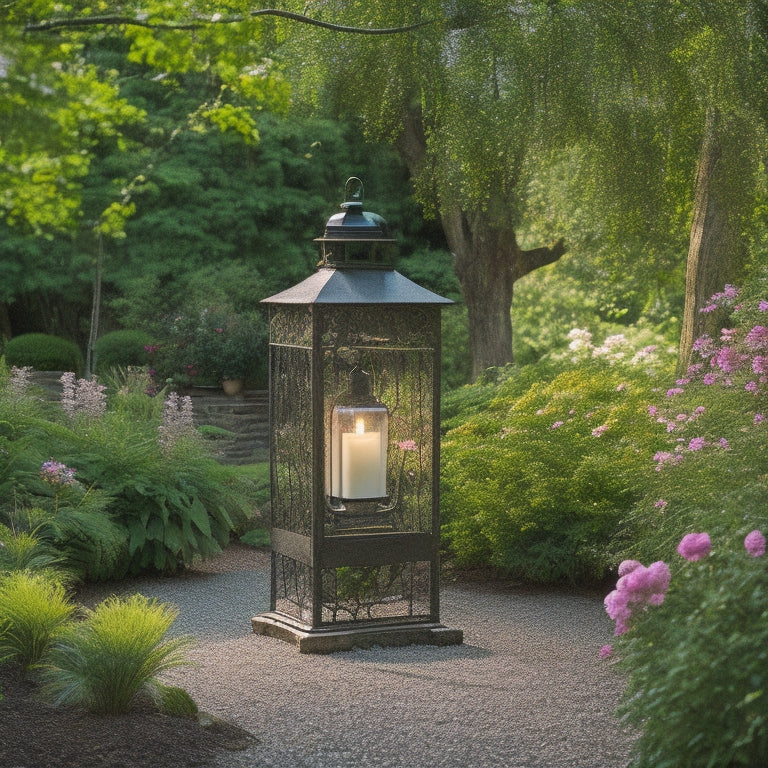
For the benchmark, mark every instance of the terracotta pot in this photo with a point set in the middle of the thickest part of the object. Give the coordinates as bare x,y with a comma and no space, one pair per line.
233,387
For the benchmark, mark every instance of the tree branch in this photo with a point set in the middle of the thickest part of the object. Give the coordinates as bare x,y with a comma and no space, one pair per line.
527,261
93,21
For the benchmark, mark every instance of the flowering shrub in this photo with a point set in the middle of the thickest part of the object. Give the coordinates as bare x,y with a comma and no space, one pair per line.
145,496
537,475
696,654
209,345
82,397
712,446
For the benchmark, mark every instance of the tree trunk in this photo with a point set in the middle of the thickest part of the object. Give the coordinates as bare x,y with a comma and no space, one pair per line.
487,260
716,252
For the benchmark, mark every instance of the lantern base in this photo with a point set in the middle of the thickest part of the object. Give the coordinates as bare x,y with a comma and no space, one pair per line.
333,639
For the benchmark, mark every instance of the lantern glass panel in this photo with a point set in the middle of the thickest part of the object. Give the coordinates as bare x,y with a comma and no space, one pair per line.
358,453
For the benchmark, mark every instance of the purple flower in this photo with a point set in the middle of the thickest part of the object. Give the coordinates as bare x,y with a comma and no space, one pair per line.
760,364
637,587
704,346
696,443
661,504
19,380
729,359
724,444
757,338
674,391
758,419
82,396
56,473
709,378
557,425
751,386
763,306
709,308
694,546
754,543
178,421
606,652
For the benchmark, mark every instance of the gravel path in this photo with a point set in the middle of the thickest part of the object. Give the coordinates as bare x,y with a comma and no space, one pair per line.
526,690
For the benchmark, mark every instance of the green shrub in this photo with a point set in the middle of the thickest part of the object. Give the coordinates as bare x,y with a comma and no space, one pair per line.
111,659
121,349
22,550
43,353
34,611
536,477
175,701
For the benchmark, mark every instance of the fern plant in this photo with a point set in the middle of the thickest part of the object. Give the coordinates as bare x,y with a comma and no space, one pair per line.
107,662
34,611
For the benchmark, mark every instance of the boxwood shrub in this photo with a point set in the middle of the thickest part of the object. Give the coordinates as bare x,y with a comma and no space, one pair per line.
120,349
43,352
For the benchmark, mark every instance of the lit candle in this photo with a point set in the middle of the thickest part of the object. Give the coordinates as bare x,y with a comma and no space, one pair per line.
363,475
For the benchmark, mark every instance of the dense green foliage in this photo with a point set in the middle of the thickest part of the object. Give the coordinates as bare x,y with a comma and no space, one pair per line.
131,486
112,657
43,352
121,349
541,465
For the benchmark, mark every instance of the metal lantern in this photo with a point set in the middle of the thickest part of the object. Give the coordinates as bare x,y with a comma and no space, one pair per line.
354,448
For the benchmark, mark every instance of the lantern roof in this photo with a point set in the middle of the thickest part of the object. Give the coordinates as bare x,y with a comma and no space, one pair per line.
358,286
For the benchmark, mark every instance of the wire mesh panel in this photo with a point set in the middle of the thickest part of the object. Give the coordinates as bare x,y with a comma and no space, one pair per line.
396,348
291,422
376,593
293,588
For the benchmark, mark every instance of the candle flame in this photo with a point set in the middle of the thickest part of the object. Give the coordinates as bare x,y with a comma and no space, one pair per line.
359,426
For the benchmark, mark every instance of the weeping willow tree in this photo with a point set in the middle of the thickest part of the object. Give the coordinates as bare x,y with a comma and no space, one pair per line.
660,97
463,97
680,136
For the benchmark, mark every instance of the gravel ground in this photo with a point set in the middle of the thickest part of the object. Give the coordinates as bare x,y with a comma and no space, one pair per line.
526,689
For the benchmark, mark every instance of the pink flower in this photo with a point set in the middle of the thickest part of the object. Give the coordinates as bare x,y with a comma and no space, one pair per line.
754,543
598,431
674,391
724,444
557,425
763,306
729,360
694,546
751,386
760,364
709,378
757,338
759,418
652,410
606,652
661,504
407,445
627,566
696,443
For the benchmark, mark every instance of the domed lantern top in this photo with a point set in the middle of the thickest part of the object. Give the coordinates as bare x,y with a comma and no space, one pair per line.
354,237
